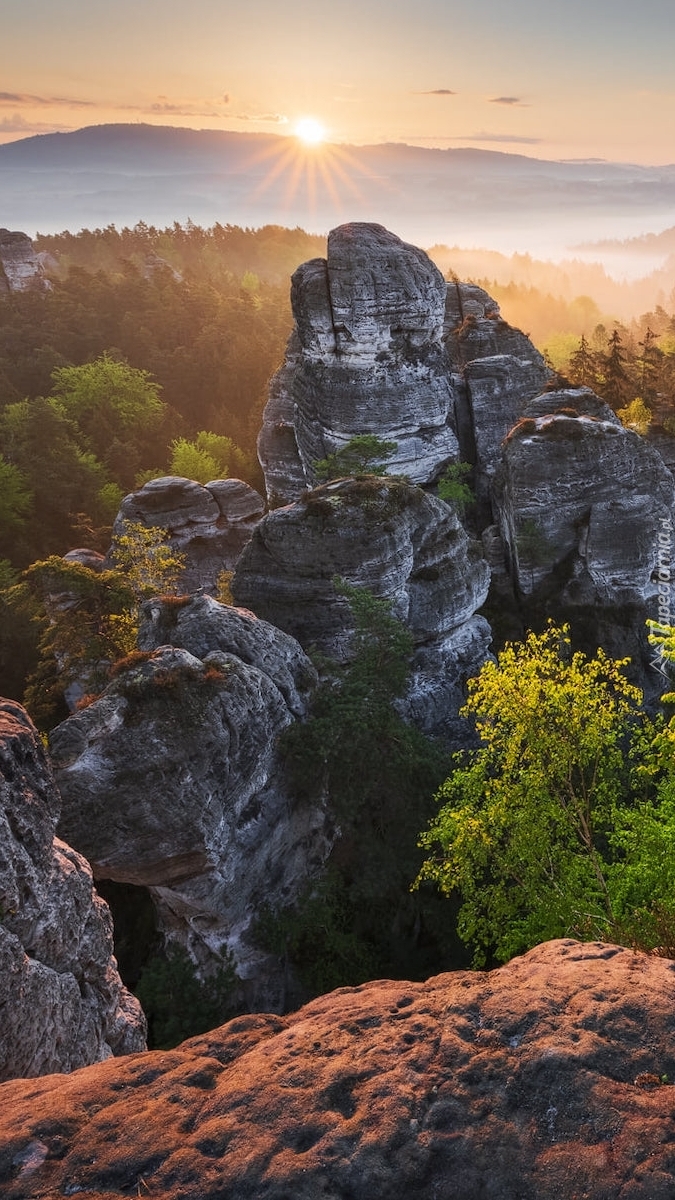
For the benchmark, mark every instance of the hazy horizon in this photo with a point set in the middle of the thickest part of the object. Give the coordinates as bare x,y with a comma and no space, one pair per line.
579,81
511,203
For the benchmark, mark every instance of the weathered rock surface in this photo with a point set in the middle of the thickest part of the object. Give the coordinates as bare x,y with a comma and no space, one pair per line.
210,525
376,533
582,500
172,780
20,268
367,357
382,345
62,1003
398,542
548,1079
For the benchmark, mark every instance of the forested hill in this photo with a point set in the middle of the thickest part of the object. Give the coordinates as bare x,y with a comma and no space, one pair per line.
205,313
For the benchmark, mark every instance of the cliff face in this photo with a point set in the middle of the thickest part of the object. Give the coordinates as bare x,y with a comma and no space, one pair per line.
383,345
20,268
367,357
61,998
548,1079
172,780
395,540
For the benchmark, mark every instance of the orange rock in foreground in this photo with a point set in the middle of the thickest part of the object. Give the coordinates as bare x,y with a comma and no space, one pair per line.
550,1077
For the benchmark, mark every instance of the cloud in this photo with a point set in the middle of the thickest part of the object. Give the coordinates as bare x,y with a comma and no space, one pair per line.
498,137
508,100
275,118
25,99
436,92
19,124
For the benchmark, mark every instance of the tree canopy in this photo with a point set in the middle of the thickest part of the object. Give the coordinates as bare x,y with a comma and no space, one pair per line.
554,826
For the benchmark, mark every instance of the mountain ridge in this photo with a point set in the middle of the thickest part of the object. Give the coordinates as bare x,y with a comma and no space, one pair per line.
120,174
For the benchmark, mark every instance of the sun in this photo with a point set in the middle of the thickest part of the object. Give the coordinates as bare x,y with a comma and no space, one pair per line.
310,131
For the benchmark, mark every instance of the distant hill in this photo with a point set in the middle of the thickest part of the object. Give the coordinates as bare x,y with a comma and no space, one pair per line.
125,173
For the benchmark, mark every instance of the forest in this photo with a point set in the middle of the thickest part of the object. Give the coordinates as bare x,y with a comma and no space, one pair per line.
150,354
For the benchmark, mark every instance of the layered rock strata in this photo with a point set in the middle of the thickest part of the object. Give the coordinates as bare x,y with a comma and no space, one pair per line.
172,780
583,501
367,357
209,524
382,345
398,542
549,1079
62,1003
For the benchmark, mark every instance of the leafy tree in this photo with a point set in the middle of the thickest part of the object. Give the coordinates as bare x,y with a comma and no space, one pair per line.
143,554
40,443
452,486
364,454
636,416
113,406
15,502
523,830
89,619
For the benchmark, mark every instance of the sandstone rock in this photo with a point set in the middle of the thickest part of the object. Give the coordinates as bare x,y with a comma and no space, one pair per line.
376,533
583,498
367,357
62,1003
549,1079
172,780
210,525
398,542
20,269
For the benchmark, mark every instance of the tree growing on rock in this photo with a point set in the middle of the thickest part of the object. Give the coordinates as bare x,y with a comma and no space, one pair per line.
364,454
88,619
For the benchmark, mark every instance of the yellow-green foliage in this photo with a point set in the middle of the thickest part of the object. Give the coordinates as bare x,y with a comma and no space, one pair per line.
523,832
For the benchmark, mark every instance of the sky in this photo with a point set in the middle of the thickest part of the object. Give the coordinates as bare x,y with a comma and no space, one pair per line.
553,79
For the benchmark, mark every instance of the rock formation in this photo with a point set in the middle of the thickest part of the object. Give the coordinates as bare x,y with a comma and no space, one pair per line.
172,780
20,268
395,540
62,1003
210,525
367,357
549,1079
383,345
497,370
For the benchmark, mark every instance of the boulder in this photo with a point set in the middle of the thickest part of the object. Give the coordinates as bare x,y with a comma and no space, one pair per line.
172,780
62,1002
209,524
548,1079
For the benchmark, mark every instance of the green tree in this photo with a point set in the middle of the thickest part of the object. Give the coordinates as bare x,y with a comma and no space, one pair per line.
582,367
377,774
114,407
89,619
614,381
453,488
364,454
636,416
40,444
144,555
523,830
15,503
